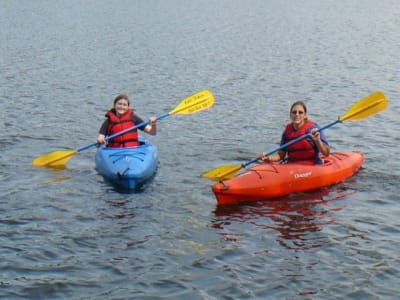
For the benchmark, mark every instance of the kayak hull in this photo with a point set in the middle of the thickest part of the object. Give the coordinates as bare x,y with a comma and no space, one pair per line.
266,181
129,168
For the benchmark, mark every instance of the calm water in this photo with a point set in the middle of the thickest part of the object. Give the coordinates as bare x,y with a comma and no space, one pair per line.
66,234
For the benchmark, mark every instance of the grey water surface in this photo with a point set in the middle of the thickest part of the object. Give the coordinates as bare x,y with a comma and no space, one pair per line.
67,234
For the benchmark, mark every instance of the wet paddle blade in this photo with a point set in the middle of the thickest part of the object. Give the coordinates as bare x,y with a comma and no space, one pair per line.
366,107
54,159
195,103
222,172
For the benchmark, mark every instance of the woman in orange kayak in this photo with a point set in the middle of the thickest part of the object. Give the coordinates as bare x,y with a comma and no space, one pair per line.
121,117
308,149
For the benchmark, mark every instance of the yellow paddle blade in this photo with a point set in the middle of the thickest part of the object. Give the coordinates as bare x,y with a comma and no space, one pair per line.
366,107
192,104
222,172
55,159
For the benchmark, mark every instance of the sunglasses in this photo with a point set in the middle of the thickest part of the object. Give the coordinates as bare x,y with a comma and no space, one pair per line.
297,112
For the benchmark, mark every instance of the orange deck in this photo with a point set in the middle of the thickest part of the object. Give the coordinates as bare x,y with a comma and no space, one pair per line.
271,180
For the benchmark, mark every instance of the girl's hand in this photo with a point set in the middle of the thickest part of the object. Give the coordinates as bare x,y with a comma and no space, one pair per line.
153,121
101,139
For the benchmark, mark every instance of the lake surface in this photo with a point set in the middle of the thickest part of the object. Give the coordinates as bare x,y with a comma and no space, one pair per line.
67,234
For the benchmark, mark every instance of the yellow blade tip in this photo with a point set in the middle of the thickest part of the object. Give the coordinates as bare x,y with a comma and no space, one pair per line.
54,159
222,173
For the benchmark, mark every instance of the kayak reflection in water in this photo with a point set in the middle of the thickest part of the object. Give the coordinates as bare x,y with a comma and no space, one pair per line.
308,149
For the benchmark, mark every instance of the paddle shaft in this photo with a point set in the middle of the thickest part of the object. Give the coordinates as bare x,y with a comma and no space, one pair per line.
160,117
300,138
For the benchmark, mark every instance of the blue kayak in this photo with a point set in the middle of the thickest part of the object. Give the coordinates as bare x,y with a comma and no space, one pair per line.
129,168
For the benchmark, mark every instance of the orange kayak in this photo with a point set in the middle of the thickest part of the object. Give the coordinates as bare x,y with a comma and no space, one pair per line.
266,181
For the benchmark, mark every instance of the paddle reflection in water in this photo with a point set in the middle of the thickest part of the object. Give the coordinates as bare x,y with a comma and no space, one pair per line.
299,219
55,176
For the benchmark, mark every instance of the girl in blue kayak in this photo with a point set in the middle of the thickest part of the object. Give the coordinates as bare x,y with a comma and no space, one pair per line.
308,149
122,117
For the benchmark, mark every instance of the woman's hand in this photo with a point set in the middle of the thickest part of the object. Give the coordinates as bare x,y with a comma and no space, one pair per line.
315,135
275,157
264,157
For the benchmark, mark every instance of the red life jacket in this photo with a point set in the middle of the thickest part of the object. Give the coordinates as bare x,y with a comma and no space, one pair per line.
117,124
302,150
